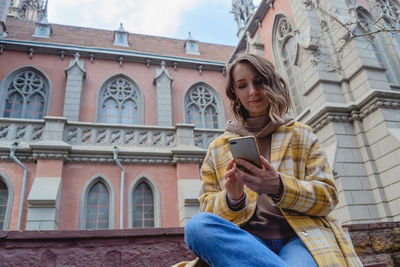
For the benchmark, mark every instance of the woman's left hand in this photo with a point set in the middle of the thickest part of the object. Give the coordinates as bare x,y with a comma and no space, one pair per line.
263,181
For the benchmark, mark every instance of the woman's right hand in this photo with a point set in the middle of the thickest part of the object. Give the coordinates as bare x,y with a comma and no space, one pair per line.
233,184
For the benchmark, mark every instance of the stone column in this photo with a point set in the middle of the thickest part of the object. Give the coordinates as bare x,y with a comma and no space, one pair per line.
75,74
162,81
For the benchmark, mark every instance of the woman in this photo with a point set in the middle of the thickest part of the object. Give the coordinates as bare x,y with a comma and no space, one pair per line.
271,216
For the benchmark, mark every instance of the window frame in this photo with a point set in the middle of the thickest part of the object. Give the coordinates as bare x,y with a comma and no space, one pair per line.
4,178
139,100
156,199
277,48
10,77
84,197
219,104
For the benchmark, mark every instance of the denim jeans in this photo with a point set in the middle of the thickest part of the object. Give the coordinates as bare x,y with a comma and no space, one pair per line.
222,243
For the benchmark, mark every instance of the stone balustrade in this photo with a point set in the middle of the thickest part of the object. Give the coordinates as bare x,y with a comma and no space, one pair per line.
55,137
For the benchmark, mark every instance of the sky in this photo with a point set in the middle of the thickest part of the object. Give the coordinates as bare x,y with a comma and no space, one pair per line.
208,21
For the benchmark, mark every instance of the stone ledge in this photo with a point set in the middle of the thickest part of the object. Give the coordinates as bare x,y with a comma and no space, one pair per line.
377,245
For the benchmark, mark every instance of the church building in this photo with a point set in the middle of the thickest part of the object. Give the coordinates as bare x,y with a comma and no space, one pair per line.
107,129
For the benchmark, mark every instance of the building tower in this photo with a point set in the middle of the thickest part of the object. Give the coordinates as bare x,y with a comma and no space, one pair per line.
242,10
31,10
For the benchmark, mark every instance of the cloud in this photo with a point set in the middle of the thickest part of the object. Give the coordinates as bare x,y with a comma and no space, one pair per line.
154,17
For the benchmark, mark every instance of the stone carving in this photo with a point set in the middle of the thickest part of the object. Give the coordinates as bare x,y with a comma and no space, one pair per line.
242,11
127,137
14,131
203,138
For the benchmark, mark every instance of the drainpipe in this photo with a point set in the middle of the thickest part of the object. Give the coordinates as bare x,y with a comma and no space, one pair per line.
121,204
21,205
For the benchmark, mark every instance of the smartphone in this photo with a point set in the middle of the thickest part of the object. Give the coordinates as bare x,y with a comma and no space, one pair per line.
245,148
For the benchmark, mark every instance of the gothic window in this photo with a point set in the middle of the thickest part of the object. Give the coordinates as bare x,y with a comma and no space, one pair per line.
3,203
389,10
144,203
385,58
142,206
202,107
98,207
120,102
286,52
25,94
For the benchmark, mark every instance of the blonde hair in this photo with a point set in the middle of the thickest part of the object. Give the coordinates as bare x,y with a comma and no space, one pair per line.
274,87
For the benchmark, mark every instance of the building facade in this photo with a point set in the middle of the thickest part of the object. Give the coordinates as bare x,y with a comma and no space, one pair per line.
107,129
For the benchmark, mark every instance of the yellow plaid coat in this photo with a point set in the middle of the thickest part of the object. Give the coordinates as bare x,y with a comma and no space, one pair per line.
309,193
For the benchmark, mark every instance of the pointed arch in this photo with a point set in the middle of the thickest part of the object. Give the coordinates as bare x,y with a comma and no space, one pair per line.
25,93
385,56
203,106
102,186
6,200
144,185
120,100
286,53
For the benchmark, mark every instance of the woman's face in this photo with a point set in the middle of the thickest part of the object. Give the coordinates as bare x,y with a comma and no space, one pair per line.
248,84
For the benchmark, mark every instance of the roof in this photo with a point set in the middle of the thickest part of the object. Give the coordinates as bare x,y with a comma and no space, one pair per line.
98,38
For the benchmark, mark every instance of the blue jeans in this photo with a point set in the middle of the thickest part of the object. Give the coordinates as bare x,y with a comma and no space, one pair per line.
222,243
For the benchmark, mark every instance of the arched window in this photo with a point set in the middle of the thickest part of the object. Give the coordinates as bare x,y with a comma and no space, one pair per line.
120,102
3,203
389,10
144,203
25,95
98,207
385,58
97,204
203,108
142,206
285,51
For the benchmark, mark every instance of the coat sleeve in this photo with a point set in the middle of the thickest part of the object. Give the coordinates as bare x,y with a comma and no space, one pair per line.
313,192
213,193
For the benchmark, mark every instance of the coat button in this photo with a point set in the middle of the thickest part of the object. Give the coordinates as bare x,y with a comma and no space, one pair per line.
304,233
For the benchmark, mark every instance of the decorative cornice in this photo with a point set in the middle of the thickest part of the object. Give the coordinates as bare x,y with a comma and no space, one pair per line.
110,160
111,54
359,111
182,159
44,155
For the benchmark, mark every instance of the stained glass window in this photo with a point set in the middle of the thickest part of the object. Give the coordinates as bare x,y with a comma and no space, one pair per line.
97,207
119,102
287,46
201,107
3,203
142,206
26,96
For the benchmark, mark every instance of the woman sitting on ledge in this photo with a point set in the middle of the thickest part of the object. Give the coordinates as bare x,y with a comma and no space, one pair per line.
277,215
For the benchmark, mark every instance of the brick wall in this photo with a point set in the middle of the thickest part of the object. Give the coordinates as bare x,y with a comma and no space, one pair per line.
374,243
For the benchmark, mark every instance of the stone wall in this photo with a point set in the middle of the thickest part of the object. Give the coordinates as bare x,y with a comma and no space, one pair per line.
377,243
374,243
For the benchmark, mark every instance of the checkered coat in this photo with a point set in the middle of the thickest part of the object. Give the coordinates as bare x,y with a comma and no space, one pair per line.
309,193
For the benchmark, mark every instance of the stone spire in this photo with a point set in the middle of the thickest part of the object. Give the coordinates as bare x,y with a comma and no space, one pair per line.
242,10
31,10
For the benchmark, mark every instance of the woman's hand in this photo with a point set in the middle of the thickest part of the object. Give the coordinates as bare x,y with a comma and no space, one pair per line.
265,180
233,184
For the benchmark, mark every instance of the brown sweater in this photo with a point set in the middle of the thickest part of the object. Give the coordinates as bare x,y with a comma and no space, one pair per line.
267,221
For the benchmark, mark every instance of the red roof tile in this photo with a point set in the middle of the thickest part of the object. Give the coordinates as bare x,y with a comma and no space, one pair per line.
90,37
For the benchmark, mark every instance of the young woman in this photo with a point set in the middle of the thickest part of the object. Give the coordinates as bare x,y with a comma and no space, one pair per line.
277,215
